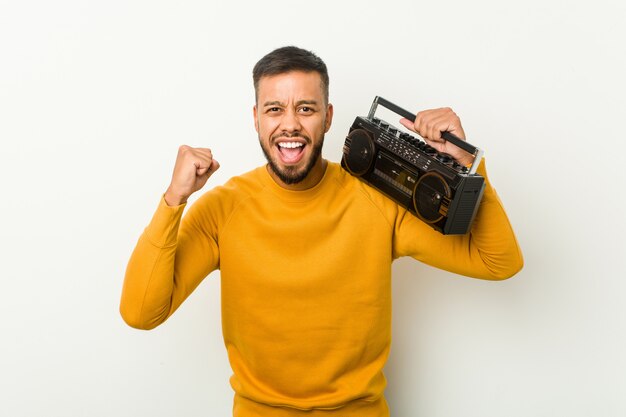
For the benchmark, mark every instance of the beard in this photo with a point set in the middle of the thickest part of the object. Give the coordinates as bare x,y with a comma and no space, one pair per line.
291,174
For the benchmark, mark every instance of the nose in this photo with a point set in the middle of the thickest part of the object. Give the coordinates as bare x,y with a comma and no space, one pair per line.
290,122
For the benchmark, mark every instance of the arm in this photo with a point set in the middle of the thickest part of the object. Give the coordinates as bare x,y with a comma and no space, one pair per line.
171,257
490,250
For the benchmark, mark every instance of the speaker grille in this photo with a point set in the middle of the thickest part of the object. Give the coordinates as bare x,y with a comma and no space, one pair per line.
431,197
360,155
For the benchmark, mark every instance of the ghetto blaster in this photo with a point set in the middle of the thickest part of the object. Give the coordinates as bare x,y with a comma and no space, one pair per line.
428,183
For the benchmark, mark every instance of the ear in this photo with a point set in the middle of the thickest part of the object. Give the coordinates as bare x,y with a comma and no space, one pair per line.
329,117
256,119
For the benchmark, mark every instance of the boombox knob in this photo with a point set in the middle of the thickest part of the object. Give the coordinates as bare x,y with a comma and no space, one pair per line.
360,156
431,190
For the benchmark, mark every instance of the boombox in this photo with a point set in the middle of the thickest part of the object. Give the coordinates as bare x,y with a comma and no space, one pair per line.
428,183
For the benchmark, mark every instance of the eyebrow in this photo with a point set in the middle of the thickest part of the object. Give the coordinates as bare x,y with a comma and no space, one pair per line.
298,103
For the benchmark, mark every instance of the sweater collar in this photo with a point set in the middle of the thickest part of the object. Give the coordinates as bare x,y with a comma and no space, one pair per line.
303,195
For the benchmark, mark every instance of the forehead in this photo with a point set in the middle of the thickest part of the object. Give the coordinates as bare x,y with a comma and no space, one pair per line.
294,85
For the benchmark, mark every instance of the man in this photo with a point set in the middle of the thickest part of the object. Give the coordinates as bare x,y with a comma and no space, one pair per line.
305,253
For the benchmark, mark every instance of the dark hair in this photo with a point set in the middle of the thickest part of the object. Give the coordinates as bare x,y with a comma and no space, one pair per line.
287,59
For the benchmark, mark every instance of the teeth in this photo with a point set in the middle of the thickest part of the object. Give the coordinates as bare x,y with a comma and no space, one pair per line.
290,144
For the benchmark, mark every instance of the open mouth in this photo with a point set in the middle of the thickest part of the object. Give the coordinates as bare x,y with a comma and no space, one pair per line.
290,152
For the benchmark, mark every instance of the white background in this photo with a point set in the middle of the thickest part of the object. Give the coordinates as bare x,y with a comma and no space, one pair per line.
96,97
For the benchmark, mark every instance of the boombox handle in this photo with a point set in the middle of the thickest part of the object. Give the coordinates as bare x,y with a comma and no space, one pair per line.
478,153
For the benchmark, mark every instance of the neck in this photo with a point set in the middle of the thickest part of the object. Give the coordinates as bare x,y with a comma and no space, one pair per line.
312,179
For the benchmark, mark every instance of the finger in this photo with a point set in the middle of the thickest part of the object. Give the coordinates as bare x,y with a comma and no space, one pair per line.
438,124
202,157
433,122
203,153
421,120
203,165
449,121
188,155
214,166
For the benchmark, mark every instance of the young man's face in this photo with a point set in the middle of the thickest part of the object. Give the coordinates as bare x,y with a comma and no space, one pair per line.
291,118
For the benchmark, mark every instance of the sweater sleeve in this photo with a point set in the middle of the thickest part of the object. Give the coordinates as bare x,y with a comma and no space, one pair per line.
170,259
489,251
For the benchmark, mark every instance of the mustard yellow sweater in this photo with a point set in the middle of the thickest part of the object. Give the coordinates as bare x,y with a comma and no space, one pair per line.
306,283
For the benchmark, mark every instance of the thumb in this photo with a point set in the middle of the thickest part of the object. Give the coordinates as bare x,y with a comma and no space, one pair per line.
214,166
408,124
